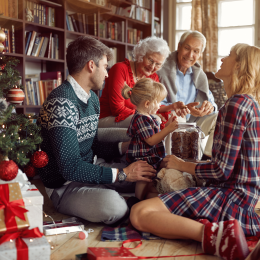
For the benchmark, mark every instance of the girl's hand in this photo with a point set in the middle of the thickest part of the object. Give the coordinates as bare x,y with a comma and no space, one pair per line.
180,109
172,162
172,123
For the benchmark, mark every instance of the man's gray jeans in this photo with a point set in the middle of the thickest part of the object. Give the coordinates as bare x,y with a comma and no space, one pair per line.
93,202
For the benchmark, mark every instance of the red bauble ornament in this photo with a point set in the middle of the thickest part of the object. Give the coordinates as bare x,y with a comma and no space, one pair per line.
8,170
39,159
15,95
29,170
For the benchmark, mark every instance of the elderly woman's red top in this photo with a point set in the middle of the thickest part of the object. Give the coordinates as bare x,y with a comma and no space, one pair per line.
111,101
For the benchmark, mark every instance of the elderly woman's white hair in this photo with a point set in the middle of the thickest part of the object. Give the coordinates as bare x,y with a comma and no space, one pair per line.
150,45
194,34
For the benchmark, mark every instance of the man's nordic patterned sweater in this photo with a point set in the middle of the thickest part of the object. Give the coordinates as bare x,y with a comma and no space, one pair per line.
69,131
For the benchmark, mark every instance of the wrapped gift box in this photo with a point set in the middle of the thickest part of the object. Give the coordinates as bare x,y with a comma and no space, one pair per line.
21,178
38,248
11,192
82,257
110,253
33,201
64,226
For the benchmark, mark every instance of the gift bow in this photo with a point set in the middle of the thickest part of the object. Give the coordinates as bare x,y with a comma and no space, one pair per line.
11,208
22,248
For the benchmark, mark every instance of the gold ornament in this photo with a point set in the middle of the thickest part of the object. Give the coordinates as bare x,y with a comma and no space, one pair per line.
2,36
1,47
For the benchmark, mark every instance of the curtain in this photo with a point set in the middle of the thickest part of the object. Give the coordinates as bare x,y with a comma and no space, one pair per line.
204,19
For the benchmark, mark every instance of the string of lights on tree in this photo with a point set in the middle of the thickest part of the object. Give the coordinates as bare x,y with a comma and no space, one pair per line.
19,135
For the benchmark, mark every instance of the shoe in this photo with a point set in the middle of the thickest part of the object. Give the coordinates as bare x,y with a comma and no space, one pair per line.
225,239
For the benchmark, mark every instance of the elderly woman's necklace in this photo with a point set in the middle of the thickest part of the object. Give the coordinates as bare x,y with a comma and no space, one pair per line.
136,78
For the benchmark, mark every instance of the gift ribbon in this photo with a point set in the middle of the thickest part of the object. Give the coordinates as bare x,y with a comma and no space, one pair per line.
11,208
21,246
147,257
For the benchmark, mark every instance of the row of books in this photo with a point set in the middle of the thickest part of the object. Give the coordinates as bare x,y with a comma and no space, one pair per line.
42,45
134,35
9,8
112,31
38,87
142,3
9,42
37,91
133,11
40,13
77,22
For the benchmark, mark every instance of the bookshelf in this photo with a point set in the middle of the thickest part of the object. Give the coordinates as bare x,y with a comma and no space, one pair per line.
99,15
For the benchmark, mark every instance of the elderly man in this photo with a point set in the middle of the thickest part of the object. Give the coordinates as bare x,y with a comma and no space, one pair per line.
186,82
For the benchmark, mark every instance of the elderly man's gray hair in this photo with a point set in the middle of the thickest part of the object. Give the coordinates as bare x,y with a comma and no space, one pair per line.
150,45
194,34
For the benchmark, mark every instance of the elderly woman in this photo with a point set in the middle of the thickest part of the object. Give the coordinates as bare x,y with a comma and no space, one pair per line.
224,208
149,56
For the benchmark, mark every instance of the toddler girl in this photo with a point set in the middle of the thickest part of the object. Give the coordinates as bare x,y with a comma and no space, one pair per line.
146,143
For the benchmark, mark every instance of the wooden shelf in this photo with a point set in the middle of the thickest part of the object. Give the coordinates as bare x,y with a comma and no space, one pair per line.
102,13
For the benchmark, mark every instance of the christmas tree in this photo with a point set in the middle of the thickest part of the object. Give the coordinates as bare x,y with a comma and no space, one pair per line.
19,135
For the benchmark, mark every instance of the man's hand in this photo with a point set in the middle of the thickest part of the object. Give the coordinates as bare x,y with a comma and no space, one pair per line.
139,171
205,109
180,109
124,147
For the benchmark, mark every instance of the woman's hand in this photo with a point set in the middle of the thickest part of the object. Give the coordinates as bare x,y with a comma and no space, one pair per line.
173,162
205,109
180,109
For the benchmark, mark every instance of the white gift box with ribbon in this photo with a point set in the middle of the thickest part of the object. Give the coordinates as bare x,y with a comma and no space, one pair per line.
38,248
33,201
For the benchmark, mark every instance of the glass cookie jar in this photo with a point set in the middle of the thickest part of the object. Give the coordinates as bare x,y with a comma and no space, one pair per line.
186,142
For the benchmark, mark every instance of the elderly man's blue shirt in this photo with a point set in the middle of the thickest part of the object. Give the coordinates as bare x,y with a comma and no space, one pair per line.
187,91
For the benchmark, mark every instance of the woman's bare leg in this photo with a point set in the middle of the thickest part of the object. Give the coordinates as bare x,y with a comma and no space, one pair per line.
153,216
141,189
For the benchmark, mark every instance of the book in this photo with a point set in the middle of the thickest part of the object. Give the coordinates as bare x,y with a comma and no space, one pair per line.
52,75
28,91
75,26
80,22
50,85
71,24
40,46
49,47
41,91
67,22
13,39
44,47
36,46
27,40
32,39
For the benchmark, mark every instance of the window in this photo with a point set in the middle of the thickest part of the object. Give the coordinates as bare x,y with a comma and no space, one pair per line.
236,23
236,26
183,18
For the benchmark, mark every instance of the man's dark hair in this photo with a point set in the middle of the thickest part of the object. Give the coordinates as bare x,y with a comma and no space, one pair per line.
84,49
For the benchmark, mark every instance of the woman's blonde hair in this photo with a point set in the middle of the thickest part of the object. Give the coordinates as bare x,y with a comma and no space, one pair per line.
144,89
246,78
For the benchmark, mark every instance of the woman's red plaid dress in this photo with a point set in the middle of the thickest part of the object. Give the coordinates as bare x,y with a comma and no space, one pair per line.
233,175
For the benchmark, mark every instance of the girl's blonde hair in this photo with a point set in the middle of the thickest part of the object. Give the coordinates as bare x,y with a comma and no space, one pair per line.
246,78
144,89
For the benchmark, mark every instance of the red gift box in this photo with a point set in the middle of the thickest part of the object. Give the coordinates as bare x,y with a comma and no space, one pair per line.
111,253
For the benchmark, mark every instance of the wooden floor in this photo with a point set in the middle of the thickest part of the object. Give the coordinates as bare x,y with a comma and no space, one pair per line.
66,246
